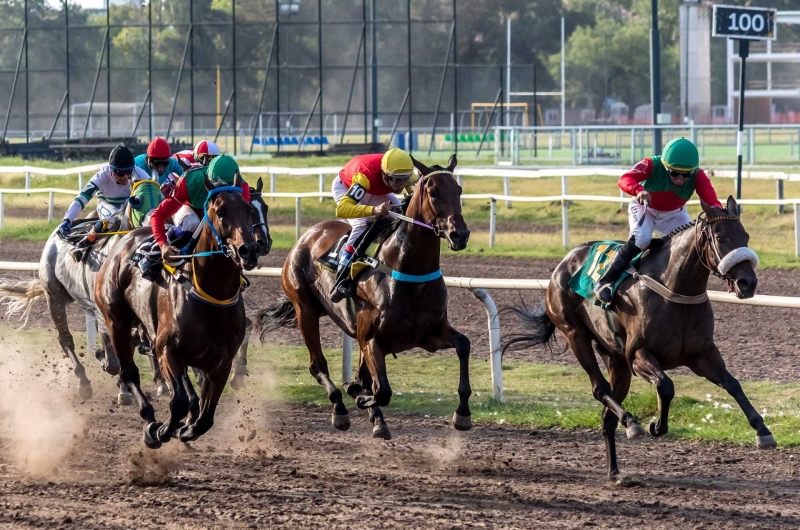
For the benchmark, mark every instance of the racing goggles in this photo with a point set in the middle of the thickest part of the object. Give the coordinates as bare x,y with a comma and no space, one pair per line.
159,162
398,179
674,173
122,171
205,159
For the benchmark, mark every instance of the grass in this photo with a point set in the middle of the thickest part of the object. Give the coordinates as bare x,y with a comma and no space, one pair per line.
526,230
537,395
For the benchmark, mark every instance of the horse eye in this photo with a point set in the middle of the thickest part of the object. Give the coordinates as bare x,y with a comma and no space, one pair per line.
433,194
720,239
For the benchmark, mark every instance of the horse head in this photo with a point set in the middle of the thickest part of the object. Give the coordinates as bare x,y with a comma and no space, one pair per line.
725,250
438,201
231,218
260,223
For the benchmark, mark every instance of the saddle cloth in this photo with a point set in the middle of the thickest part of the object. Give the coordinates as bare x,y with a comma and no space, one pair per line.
330,259
600,256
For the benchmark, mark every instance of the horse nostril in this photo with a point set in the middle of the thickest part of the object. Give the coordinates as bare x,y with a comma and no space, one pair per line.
455,237
244,252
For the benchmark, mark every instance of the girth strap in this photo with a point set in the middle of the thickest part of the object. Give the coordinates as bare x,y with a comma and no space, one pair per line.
662,290
400,276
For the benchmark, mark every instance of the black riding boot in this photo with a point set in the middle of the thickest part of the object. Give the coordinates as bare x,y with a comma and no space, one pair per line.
603,289
345,286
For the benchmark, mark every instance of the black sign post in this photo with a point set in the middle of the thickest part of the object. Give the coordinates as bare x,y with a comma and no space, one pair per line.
743,24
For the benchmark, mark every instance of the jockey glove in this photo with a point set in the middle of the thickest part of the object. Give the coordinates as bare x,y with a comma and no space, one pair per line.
64,228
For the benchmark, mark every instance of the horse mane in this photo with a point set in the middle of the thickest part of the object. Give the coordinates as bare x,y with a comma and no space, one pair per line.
386,226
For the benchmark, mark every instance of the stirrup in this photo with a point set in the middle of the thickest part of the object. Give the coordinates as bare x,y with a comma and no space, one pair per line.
600,289
77,254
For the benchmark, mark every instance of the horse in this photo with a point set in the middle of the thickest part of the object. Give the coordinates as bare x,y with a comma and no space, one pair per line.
402,306
196,320
660,319
63,281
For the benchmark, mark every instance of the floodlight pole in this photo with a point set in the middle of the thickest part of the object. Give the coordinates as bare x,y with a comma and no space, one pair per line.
744,51
655,76
374,76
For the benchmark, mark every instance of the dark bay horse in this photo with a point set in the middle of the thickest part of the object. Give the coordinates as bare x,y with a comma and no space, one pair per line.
658,334
390,316
201,326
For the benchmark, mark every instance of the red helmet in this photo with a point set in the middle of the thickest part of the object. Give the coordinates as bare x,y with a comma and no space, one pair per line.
205,148
158,148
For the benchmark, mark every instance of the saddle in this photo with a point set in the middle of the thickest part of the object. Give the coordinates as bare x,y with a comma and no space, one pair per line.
330,259
147,255
600,256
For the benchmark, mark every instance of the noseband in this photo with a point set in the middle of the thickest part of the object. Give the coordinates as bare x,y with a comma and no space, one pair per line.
725,263
424,222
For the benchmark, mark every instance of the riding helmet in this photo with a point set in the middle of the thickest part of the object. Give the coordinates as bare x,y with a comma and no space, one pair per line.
681,155
397,163
158,149
121,158
224,168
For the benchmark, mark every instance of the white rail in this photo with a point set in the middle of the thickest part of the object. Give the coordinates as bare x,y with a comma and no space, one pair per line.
477,286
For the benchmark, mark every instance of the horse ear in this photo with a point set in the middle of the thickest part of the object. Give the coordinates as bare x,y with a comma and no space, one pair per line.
209,184
732,208
422,168
452,163
707,208
237,180
259,184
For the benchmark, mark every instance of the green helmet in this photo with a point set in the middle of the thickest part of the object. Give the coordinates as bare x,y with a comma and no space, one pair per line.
224,168
681,155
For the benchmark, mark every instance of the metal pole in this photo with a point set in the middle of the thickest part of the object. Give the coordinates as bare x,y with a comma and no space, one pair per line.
66,62
535,114
507,190
319,51
94,87
796,228
50,204
364,37
563,78
502,115
233,72
508,69
191,69
455,74
278,75
655,76
2,209
410,141
60,108
149,62
744,51
297,217
779,189
489,123
374,75
352,85
397,120
564,214
441,86
493,220
27,82
308,121
347,358
224,115
108,69
264,85
178,86
495,353
14,84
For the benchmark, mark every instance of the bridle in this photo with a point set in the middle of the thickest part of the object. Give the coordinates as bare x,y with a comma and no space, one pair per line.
425,223
263,225
716,263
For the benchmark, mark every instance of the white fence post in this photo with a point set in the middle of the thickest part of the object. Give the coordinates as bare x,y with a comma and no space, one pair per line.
797,229
493,220
297,218
347,358
564,213
507,189
321,185
460,181
28,181
50,204
779,193
622,204
91,333
550,146
80,181
495,352
633,146
2,210
272,184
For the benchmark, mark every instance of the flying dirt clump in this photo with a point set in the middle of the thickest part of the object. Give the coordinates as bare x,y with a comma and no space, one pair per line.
151,468
39,425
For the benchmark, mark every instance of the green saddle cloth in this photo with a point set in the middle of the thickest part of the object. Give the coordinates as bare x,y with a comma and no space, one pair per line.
600,257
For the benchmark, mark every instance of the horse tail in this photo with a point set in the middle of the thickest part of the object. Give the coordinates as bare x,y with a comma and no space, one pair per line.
537,327
19,296
280,314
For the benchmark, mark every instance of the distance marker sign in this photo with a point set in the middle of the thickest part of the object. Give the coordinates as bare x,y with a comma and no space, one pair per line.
752,23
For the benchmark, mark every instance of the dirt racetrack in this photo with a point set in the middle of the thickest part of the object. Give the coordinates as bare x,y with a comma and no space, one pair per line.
269,464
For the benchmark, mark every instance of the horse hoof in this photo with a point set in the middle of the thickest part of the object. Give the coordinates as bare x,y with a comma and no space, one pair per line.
766,442
634,431
365,402
85,391
462,423
111,368
381,431
340,421
623,481
352,389
162,390
151,435
237,382
125,398
653,430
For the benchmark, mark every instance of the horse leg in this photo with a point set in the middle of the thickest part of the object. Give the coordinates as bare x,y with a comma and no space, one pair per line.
362,384
308,322
125,397
175,371
144,347
649,369
194,401
619,375
712,367
581,345
447,337
381,390
240,362
210,392
58,312
110,360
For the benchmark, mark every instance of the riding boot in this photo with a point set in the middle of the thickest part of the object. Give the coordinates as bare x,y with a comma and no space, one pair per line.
345,287
603,290
78,252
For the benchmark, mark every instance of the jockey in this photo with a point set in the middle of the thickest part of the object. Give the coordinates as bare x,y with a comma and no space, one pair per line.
186,159
660,186
185,206
157,162
364,188
202,155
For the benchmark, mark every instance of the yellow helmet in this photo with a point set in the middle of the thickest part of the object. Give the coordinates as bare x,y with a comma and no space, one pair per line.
397,163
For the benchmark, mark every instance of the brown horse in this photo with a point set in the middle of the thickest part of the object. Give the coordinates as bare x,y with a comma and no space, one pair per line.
390,315
201,326
659,331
